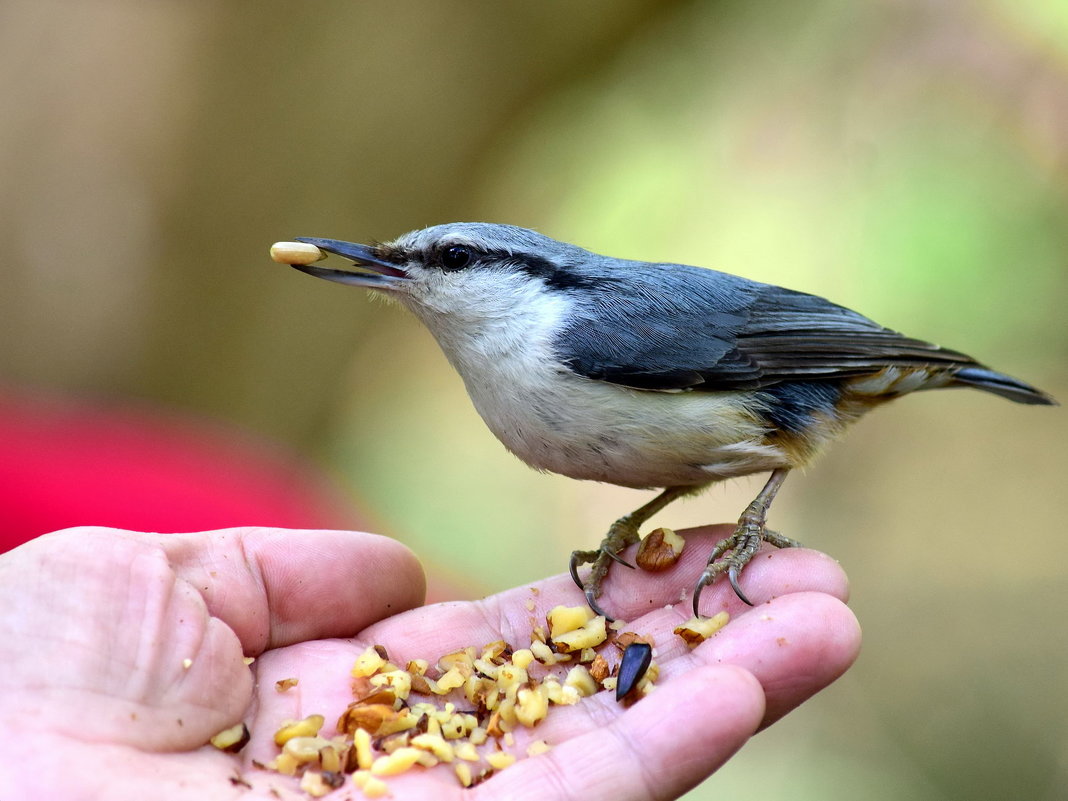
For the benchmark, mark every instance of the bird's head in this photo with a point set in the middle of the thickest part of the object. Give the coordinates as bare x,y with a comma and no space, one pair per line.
462,271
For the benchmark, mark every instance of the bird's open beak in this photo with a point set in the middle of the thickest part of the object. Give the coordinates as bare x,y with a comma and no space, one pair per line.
382,275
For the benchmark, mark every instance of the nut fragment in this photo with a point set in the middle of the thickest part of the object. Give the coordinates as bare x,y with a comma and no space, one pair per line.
462,661
499,760
296,253
510,676
376,719
361,746
316,784
417,667
538,747
369,717
546,655
532,705
466,751
563,619
582,680
463,773
485,667
285,684
451,679
436,745
379,695
284,764
497,689
524,656
304,749
624,640
309,727
422,685
232,739
497,652
369,662
560,694
599,668
329,758
589,635
397,762
659,550
454,727
370,786
698,629
400,681
494,727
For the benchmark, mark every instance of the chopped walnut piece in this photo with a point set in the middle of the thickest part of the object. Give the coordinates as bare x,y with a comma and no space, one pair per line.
698,629
659,550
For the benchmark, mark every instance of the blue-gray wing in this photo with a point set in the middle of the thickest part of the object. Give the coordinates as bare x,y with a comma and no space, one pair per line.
667,326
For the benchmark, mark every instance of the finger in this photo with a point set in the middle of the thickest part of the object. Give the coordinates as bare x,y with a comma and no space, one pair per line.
795,646
275,587
772,572
634,596
659,748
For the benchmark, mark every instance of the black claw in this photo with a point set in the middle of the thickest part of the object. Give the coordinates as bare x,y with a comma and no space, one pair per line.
700,588
732,576
632,666
620,560
573,567
591,600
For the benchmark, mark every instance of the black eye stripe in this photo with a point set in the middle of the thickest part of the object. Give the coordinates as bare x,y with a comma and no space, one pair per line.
457,257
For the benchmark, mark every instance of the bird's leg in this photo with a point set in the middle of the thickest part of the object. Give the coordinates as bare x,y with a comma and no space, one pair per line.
743,544
623,532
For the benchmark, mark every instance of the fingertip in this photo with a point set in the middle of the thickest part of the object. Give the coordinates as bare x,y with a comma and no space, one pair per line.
351,578
736,690
368,555
795,645
825,644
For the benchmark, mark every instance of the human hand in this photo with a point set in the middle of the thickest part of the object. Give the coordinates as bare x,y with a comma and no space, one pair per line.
96,626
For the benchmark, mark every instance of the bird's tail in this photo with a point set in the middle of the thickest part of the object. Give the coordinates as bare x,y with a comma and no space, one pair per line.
1000,384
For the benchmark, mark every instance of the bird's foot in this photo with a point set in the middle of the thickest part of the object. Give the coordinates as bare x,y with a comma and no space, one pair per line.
624,532
733,553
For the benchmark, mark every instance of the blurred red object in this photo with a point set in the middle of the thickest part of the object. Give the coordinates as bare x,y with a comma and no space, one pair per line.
64,463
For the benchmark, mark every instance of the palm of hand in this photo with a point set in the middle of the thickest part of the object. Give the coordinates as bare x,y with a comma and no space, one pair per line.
126,656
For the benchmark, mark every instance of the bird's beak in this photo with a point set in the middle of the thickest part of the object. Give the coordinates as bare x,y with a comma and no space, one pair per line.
383,275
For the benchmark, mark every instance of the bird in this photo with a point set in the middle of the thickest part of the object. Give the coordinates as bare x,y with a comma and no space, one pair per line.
648,375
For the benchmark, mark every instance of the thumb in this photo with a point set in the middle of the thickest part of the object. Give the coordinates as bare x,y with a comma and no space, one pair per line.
276,587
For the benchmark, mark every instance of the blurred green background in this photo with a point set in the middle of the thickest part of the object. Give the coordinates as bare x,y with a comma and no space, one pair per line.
907,158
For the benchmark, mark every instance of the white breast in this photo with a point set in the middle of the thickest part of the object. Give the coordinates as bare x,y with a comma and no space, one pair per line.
558,421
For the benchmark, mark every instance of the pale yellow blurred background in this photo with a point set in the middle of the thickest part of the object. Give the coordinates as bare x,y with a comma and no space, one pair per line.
907,158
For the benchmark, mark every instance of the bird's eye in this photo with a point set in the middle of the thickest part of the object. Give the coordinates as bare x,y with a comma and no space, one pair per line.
455,257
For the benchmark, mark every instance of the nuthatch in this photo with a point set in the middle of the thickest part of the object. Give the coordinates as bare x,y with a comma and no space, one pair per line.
649,375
